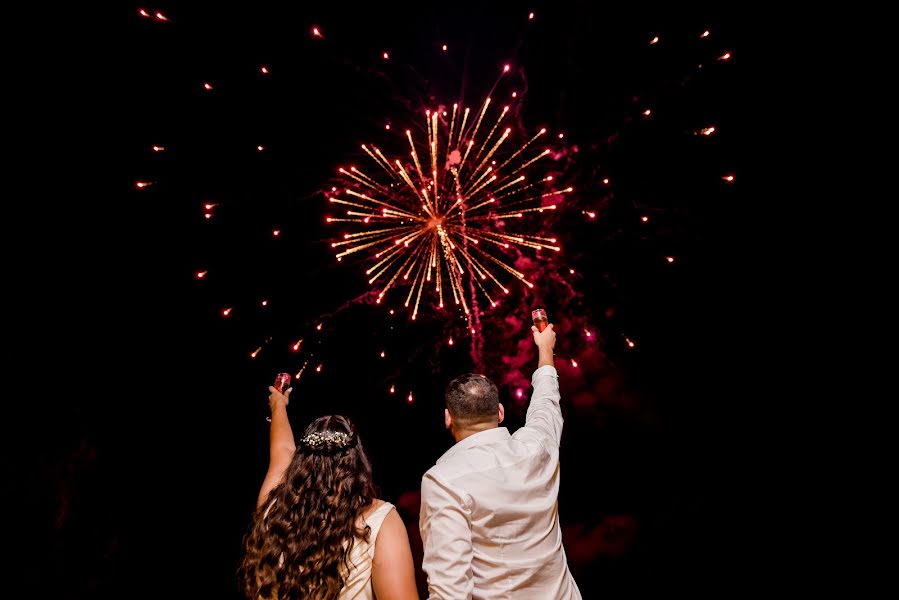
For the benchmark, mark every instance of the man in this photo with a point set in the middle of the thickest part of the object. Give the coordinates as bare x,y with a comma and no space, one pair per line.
489,520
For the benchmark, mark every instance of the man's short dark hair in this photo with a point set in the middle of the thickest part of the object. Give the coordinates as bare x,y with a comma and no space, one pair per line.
472,398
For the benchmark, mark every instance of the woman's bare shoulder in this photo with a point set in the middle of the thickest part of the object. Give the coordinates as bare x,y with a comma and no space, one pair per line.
375,505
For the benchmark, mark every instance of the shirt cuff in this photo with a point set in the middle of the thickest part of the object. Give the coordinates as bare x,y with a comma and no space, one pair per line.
544,371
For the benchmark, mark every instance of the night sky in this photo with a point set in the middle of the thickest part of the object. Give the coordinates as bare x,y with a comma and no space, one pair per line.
149,462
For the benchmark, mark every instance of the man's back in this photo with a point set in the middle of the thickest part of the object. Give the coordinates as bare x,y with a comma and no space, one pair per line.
489,517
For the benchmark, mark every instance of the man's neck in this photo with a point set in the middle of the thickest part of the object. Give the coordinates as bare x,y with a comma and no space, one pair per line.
461,434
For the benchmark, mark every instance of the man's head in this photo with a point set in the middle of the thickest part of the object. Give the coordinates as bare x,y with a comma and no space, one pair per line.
472,405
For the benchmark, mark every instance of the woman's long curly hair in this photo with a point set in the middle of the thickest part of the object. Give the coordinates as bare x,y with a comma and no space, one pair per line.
301,538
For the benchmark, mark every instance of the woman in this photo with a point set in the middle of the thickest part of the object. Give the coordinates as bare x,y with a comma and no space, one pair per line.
318,532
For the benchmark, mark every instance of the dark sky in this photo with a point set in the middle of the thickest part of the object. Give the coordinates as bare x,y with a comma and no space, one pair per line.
151,460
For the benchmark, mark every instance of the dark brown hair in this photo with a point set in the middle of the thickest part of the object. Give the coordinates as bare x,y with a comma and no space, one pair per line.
302,535
472,398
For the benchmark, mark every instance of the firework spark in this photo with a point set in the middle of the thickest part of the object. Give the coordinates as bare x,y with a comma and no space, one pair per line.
438,217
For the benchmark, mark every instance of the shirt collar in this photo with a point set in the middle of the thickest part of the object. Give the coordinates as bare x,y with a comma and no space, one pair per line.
481,438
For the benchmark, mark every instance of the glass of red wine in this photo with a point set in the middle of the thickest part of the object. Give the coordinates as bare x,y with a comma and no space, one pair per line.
282,382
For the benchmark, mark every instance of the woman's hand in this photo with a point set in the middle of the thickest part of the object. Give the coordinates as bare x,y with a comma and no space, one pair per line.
277,399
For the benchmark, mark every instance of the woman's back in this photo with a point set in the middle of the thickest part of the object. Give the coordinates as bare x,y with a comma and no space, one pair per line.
319,531
359,578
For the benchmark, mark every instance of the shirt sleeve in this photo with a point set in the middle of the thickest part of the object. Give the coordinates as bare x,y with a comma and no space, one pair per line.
544,414
446,536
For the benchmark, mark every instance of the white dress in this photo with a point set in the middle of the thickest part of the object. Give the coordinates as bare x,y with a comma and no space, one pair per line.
358,580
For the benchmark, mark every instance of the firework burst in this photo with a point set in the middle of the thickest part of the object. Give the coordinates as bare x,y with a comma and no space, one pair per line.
433,225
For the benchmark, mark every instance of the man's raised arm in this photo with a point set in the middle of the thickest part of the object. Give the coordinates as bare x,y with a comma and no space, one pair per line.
544,414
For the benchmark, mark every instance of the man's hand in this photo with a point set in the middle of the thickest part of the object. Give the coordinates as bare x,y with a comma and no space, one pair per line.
277,398
546,341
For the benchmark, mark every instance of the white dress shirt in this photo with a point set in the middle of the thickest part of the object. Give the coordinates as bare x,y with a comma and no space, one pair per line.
489,518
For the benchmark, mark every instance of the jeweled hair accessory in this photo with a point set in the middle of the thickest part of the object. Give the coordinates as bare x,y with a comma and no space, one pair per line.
328,441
